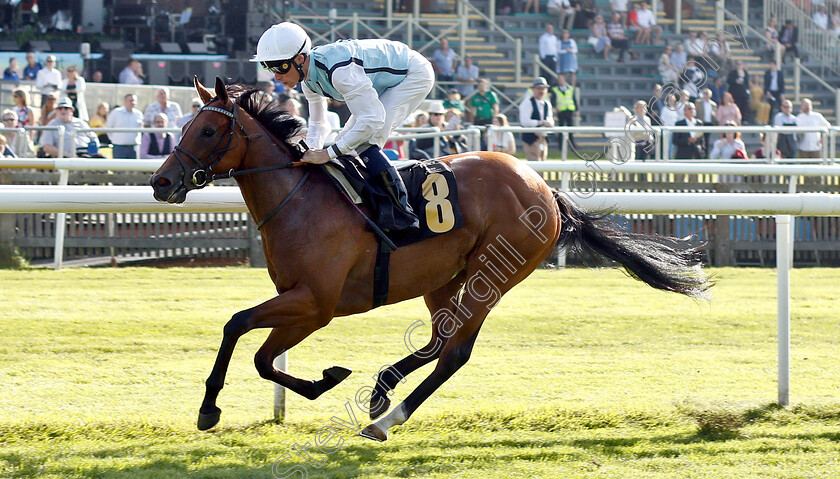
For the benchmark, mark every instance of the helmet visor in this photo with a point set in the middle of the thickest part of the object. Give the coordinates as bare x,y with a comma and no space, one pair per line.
278,66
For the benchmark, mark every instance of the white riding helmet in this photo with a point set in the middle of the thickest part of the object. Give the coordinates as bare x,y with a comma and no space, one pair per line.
283,41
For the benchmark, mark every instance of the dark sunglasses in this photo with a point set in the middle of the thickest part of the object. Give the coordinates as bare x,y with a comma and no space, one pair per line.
281,66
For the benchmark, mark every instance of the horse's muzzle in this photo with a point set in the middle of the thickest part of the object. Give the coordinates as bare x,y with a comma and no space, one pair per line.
166,190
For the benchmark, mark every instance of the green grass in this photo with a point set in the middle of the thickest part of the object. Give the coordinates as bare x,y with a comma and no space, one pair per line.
577,373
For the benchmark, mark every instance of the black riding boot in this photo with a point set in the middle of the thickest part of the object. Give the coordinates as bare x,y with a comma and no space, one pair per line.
401,217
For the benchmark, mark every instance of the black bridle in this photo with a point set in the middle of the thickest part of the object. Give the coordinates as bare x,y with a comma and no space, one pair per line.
202,175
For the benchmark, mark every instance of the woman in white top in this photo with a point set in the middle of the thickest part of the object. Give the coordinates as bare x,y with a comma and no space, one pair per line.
501,141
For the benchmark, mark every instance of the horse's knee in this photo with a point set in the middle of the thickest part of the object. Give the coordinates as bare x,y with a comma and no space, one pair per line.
455,358
238,324
264,363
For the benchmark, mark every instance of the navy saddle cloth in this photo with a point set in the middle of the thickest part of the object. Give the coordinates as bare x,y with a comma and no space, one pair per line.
432,193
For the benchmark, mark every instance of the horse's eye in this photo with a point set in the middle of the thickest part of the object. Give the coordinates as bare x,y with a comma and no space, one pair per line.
208,132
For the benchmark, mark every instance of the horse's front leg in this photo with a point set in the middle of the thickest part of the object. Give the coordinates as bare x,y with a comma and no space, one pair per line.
295,311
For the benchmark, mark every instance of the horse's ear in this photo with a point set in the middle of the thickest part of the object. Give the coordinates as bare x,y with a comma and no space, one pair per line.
221,91
203,92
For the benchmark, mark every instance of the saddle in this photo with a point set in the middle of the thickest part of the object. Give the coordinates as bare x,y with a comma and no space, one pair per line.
432,194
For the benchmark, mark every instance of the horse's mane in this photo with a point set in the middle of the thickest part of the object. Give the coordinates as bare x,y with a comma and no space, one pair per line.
266,111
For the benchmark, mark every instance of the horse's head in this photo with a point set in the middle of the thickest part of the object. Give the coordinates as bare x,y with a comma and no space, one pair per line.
214,142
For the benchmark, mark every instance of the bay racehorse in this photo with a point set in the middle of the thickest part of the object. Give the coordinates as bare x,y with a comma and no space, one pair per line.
320,254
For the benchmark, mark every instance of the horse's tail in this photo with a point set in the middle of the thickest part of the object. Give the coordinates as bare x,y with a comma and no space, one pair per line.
661,262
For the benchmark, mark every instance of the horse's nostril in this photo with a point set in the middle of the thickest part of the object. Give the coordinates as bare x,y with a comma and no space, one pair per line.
162,181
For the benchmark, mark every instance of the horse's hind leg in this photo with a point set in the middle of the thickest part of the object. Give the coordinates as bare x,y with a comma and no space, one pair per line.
441,306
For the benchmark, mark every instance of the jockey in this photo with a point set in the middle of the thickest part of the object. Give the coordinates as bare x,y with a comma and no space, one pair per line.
382,83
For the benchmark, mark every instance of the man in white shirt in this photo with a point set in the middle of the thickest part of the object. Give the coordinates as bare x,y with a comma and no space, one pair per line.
126,116
548,47
444,61
132,74
647,25
467,75
169,108
821,18
48,78
810,144
536,111
787,143
75,144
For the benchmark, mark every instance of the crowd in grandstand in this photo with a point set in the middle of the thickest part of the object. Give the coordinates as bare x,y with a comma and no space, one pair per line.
700,84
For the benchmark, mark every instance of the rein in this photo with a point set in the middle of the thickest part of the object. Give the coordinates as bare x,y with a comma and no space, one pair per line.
201,178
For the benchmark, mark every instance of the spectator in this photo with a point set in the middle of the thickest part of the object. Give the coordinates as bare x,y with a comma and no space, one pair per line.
5,151
690,145
667,71
96,77
718,89
132,74
697,47
738,82
48,78
73,87
425,147
126,116
834,21
30,71
548,48
668,117
728,111
195,104
19,143
565,105
467,74
615,30
757,101
729,146
11,73
484,104
789,35
444,61
654,105
644,139
568,60
536,112
453,102
679,58
99,120
292,106
169,108
692,78
564,11
504,7
810,144
761,152
633,22
821,17
585,12
26,116
706,112
598,37
502,141
619,7
788,143
532,3
719,55
270,89
157,145
75,144
647,25
48,112
771,34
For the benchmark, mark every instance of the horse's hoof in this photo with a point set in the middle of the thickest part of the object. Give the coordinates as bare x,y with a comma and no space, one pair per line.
379,407
206,420
336,374
374,432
